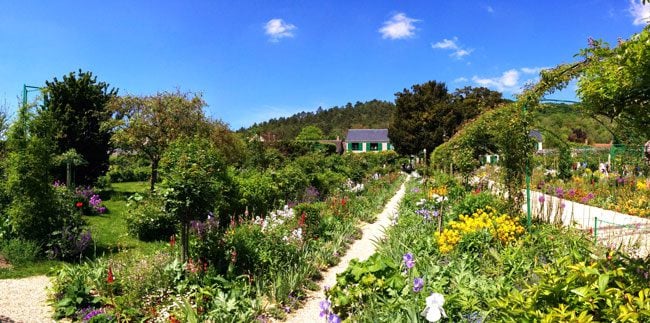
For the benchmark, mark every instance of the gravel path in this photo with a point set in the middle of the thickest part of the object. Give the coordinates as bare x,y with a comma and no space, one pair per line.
361,249
25,300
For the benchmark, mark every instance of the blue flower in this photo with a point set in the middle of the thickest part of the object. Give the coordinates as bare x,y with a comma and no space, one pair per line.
324,307
418,284
408,260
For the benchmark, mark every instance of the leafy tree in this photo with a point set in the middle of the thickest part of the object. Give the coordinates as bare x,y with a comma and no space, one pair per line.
148,124
77,105
34,211
194,176
228,143
310,133
415,123
427,116
616,83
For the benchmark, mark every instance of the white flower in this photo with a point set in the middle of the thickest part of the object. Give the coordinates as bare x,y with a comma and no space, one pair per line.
421,202
434,311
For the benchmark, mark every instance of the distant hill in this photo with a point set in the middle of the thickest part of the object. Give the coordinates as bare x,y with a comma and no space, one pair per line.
568,123
333,122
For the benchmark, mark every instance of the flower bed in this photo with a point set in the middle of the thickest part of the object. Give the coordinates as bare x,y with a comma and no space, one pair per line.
545,273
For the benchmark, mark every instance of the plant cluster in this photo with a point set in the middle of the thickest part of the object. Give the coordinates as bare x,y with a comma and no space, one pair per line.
501,227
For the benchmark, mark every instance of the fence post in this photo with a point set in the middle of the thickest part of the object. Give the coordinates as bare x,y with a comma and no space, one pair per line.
595,229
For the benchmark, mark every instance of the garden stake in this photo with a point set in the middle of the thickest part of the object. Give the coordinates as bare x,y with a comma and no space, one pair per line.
595,229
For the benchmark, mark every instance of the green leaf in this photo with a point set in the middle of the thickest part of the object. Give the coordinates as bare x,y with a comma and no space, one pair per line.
582,291
603,281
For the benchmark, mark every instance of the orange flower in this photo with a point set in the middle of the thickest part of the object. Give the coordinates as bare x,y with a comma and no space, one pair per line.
172,240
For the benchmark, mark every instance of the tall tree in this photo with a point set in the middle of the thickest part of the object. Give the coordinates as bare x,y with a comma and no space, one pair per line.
148,124
194,177
416,121
78,106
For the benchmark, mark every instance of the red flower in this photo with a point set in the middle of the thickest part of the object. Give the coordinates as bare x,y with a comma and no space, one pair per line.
110,279
343,201
79,204
303,217
172,240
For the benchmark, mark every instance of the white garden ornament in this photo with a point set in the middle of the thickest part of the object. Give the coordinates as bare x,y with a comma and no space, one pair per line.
434,311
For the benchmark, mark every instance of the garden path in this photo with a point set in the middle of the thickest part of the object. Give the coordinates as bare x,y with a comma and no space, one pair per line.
611,228
361,249
25,300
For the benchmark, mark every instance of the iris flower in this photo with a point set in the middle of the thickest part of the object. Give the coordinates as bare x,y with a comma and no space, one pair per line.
433,311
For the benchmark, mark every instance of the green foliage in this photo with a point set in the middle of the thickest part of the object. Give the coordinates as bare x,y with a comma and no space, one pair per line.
19,251
309,217
35,210
615,83
472,202
565,163
310,133
149,124
428,115
71,290
258,191
77,105
147,219
194,175
128,168
602,290
333,122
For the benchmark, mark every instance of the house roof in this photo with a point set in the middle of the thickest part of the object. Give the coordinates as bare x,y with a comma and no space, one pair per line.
535,134
373,135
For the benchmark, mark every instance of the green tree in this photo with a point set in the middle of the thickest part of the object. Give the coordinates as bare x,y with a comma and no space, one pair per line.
34,211
310,133
616,83
148,124
194,176
415,122
78,106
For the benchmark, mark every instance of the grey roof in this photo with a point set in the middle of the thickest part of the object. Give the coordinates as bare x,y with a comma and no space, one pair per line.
372,135
535,134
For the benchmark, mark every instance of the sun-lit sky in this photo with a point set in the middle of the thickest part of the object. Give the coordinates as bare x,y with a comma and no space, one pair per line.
255,60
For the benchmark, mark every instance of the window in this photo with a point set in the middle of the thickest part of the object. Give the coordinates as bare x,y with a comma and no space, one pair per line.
374,146
356,146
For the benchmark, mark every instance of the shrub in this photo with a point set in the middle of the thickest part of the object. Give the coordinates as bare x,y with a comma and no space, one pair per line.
472,202
148,220
19,251
69,243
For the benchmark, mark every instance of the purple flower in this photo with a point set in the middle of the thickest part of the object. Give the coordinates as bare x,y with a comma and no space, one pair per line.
418,284
572,192
542,199
562,205
415,190
333,318
408,260
324,307
559,192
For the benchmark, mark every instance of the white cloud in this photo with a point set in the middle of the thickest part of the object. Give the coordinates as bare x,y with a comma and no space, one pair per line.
510,80
278,28
446,44
532,70
489,9
461,53
460,79
398,27
640,12
452,44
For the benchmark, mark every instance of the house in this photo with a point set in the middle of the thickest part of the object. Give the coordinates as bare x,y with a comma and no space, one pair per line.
364,140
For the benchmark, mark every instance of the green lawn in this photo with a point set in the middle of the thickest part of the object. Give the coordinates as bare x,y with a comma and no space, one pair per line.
108,231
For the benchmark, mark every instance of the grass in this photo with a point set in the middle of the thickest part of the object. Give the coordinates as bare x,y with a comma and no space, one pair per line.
109,234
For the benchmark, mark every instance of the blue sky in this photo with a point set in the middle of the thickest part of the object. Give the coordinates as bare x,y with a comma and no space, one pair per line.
254,60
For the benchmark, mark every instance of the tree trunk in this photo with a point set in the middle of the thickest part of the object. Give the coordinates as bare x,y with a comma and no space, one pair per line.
154,173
